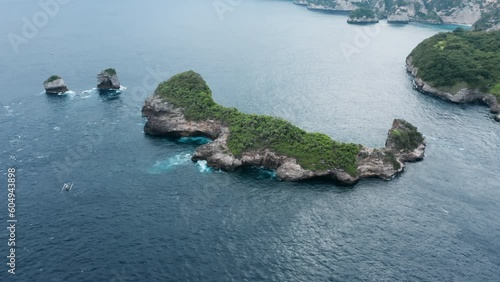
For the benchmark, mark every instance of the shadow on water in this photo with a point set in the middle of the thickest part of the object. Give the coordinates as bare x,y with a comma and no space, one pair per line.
57,98
57,102
181,142
160,140
109,95
331,12
196,140
257,172
322,182
398,25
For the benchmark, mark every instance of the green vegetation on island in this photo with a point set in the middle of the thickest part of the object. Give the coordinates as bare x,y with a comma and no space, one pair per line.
407,139
52,78
110,71
460,59
250,132
362,13
390,157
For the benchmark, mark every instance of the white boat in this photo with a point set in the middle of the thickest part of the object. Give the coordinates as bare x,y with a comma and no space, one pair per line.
67,186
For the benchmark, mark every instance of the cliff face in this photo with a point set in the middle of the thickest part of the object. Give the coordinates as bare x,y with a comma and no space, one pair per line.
430,11
489,21
164,119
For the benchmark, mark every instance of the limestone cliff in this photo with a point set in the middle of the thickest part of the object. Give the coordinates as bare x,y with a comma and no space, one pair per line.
489,21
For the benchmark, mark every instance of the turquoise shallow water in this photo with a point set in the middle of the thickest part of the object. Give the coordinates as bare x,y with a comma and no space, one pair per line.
139,210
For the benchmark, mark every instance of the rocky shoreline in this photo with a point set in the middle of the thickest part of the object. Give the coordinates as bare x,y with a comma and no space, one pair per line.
362,20
300,2
464,95
315,7
164,119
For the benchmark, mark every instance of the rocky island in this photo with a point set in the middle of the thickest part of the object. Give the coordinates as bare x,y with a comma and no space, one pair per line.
183,107
55,85
362,16
460,66
108,80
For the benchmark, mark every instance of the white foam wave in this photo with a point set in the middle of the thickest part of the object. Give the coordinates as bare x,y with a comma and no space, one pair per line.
170,163
203,166
8,110
90,91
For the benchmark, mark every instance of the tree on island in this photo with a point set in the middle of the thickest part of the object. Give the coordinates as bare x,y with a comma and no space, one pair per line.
454,60
362,13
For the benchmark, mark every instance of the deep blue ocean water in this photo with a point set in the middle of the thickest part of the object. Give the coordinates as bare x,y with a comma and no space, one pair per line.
140,210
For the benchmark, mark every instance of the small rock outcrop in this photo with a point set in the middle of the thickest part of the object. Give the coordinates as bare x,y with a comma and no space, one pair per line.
404,144
464,95
363,20
108,80
300,2
55,85
362,16
398,19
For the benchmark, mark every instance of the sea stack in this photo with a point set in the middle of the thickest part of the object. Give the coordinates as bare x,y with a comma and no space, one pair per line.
55,85
108,80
